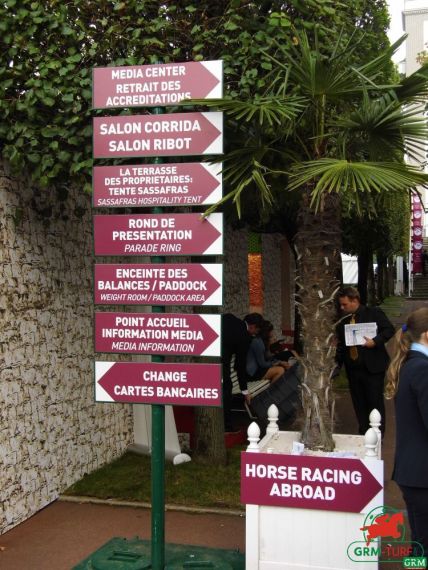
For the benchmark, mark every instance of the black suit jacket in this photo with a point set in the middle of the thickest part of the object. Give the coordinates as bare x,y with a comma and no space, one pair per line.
235,341
374,360
411,406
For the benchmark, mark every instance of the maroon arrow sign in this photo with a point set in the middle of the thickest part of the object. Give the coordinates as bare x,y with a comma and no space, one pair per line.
334,484
181,184
158,234
176,134
151,383
157,333
154,85
158,284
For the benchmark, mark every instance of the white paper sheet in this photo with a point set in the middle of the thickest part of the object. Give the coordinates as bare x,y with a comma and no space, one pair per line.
354,334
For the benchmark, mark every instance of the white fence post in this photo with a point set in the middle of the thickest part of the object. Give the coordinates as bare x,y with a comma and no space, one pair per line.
253,437
273,417
370,443
375,419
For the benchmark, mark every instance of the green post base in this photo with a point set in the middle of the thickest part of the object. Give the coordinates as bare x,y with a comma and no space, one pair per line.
134,554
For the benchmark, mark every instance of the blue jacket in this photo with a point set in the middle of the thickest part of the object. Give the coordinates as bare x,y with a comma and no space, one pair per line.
256,356
411,407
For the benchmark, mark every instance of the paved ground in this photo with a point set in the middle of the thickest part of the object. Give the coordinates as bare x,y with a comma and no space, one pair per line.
63,534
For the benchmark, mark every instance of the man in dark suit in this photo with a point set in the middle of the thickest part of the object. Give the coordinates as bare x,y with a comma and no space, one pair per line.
365,364
236,337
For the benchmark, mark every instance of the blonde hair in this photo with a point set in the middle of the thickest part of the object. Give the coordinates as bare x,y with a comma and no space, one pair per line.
417,324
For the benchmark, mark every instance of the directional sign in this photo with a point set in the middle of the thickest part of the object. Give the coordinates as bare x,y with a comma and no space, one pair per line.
158,284
181,184
158,234
151,383
176,134
156,85
328,483
158,333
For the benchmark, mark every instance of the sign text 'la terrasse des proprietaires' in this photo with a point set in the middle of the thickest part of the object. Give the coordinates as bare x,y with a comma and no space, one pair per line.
158,284
158,383
179,184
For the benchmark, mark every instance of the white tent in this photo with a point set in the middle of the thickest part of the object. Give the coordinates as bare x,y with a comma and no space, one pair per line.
350,269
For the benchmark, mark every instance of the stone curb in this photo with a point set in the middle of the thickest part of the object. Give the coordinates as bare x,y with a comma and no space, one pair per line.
140,505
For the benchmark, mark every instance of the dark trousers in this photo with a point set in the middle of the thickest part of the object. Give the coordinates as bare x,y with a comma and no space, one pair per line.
416,499
367,394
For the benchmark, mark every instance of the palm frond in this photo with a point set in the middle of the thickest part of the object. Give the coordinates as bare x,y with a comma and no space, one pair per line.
316,77
354,178
271,111
385,128
414,88
241,179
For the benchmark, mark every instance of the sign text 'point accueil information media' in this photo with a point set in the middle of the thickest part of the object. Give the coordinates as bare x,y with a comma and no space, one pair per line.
158,333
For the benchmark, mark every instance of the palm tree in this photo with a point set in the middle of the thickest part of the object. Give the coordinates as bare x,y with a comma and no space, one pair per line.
334,133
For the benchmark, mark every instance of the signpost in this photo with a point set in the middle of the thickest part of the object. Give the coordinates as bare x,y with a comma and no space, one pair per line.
327,483
154,333
158,383
158,135
158,234
181,184
156,85
163,284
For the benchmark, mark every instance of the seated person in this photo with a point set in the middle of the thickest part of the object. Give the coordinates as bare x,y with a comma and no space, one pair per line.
276,348
258,364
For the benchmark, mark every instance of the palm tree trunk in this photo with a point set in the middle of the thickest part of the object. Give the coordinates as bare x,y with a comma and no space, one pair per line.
372,286
318,245
391,274
209,435
365,258
381,277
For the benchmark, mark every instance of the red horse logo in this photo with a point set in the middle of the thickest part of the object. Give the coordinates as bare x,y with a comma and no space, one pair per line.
385,526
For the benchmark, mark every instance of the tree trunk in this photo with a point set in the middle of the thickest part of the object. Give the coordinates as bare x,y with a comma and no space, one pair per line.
391,275
318,245
372,286
365,258
381,274
209,435
209,422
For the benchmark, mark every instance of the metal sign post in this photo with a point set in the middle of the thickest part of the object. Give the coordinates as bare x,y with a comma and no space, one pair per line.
158,449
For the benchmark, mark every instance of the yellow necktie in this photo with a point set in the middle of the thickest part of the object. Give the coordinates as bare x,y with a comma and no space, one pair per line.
353,350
